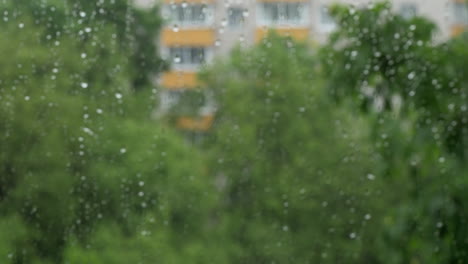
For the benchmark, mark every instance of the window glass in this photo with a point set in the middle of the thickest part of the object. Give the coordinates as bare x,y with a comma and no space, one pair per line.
283,12
187,55
408,10
235,16
189,14
461,13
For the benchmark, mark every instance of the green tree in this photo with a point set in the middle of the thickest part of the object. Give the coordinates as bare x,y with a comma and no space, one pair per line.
415,91
76,162
301,183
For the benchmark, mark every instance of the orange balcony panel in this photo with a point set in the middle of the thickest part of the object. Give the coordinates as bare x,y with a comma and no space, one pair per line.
195,124
300,34
458,29
179,80
188,37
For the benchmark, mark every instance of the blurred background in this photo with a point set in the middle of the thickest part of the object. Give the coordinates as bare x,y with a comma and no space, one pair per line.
233,131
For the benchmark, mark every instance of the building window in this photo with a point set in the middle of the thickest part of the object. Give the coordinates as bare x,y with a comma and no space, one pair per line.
282,13
326,20
187,56
189,14
408,10
235,16
460,13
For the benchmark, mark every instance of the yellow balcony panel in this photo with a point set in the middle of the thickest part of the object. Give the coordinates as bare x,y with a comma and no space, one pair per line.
458,29
300,34
195,124
188,37
179,80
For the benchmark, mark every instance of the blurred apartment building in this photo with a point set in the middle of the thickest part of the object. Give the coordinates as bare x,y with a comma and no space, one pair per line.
196,31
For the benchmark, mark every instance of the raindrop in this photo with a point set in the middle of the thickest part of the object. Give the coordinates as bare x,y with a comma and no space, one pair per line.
371,176
99,111
175,28
141,194
224,22
245,13
118,95
21,25
82,14
123,150
411,75
412,27
84,85
352,235
367,217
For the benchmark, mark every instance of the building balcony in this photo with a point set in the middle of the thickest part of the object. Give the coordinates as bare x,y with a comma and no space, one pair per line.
179,80
299,34
200,124
188,37
457,29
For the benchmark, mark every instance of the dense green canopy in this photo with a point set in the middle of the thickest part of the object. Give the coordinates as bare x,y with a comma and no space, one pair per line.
353,152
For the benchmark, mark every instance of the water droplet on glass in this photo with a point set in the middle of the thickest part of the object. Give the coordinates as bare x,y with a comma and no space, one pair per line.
82,14
21,25
118,95
123,150
84,85
175,28
352,235
371,176
411,75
